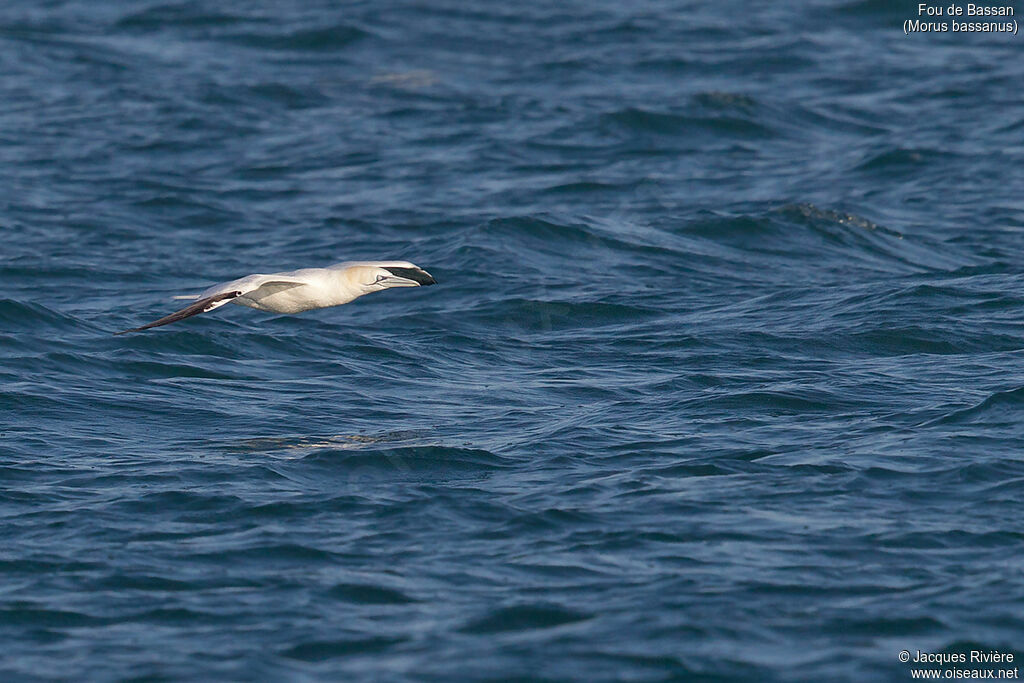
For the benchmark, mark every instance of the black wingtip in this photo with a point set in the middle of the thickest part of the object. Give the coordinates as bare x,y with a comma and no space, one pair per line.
201,306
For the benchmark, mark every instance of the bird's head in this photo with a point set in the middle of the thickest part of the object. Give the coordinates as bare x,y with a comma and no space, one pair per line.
375,277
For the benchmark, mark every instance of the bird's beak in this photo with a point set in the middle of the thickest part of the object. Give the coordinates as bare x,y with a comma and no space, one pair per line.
410,277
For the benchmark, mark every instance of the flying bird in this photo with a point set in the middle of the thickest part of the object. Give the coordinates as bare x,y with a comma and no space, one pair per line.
301,290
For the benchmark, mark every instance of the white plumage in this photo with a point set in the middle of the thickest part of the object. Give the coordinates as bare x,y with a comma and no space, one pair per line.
302,290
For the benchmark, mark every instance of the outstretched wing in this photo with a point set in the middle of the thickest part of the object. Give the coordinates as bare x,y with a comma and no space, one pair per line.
201,306
223,294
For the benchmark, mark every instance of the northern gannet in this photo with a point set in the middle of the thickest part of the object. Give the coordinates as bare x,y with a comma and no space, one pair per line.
302,290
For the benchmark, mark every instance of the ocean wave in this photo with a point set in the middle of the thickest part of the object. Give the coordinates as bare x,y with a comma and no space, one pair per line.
19,315
187,14
1000,407
520,618
815,240
903,161
408,459
318,39
664,123
322,650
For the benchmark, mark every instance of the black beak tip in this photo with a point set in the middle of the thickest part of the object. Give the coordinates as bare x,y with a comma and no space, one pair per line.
417,275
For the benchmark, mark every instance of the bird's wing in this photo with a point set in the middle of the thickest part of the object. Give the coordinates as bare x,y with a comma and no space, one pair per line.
219,295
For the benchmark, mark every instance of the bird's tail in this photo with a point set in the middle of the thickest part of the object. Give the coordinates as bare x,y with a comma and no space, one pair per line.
190,297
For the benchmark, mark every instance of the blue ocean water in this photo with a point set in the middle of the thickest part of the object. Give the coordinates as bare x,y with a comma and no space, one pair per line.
722,379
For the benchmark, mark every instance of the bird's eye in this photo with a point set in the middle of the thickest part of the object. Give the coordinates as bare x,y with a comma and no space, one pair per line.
381,277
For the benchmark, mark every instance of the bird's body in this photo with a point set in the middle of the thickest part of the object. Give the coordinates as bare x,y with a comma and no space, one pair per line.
302,290
278,293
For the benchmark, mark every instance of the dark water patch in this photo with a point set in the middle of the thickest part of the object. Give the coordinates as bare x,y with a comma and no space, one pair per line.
586,187
145,583
954,539
555,572
28,26
559,315
31,397
549,237
175,617
26,316
34,567
540,230
321,650
523,618
28,614
325,39
292,96
832,223
1000,407
894,627
540,521
692,470
806,234
181,502
184,14
314,442
876,10
844,120
725,101
211,337
156,371
913,339
417,459
168,203
902,162
640,121
270,554
1014,127
367,594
